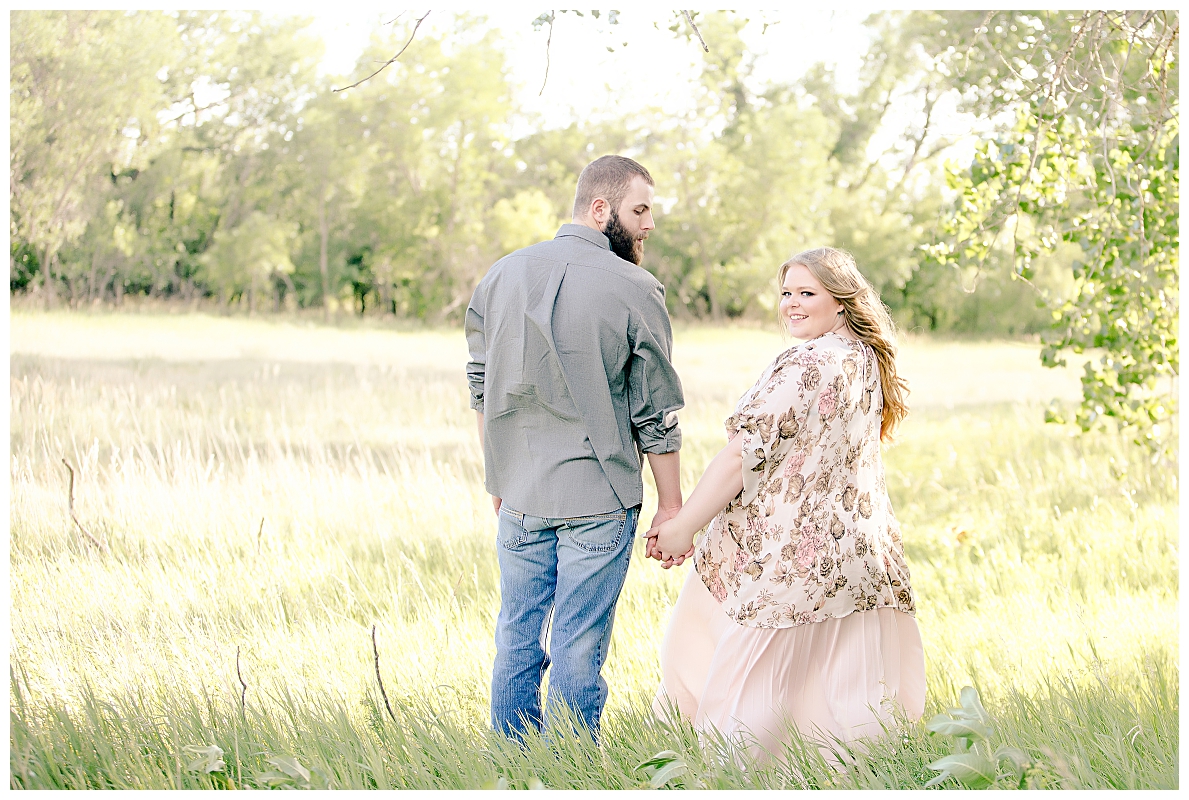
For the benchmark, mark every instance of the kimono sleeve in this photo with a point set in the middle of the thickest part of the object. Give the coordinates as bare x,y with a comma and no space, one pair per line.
780,410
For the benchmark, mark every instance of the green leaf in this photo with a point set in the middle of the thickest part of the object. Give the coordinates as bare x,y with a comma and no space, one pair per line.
663,767
210,758
674,769
290,766
973,706
1013,754
972,770
947,726
659,760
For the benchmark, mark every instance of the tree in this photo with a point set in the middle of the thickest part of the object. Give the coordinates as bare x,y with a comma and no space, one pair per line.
244,258
436,132
85,87
1088,155
749,177
327,157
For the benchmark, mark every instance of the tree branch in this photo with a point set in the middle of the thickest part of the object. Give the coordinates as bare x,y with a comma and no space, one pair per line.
548,42
389,61
689,18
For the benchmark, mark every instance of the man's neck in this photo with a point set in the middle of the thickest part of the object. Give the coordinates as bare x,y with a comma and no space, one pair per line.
586,222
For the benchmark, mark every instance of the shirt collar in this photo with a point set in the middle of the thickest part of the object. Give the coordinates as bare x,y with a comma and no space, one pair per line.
583,232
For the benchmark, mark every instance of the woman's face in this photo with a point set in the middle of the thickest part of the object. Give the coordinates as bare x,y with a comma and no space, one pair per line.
807,308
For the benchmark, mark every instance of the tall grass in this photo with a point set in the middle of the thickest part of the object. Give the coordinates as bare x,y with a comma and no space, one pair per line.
275,490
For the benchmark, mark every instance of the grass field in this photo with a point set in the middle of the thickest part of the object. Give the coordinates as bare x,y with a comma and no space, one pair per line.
267,491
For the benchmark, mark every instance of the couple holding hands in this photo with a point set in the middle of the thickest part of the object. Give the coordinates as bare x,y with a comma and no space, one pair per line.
798,612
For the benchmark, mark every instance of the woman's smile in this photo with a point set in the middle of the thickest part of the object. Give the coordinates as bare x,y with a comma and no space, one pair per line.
805,303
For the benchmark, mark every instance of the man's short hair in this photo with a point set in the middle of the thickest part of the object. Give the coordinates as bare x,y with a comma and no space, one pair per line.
607,177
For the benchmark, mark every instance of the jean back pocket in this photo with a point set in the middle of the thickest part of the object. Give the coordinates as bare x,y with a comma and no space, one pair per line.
598,533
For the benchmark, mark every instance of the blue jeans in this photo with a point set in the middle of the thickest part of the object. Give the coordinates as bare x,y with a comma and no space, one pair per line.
571,571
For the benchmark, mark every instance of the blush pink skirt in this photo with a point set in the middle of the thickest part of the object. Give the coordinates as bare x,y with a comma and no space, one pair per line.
836,679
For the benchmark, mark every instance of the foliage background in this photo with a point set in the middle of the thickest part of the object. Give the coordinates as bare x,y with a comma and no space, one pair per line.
211,162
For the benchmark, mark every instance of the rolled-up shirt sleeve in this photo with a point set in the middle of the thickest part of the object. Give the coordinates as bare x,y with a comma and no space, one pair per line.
477,344
654,390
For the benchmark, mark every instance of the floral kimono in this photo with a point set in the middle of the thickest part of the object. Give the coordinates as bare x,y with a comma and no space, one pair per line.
812,535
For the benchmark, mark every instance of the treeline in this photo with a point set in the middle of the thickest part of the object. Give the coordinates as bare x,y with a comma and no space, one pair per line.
198,155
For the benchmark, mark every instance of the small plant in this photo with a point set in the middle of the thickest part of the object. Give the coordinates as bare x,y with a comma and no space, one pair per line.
662,768
210,762
973,764
290,774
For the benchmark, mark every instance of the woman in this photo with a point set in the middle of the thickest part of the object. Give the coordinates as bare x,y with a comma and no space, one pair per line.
799,609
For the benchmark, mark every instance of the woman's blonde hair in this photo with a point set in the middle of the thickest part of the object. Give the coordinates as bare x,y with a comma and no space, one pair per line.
866,316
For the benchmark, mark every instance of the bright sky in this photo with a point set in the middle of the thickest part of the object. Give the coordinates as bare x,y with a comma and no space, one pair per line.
654,69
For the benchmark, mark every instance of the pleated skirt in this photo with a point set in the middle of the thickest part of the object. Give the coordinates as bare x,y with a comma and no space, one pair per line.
839,679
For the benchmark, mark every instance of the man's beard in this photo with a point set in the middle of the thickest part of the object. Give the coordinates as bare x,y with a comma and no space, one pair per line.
623,244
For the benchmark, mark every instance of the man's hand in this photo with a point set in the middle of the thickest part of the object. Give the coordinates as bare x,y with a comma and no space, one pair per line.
496,502
664,515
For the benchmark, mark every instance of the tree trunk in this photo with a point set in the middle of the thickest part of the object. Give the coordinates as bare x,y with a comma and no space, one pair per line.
91,277
108,277
323,265
715,308
47,276
290,299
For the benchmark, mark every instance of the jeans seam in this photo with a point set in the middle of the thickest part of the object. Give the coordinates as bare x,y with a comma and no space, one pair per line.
615,515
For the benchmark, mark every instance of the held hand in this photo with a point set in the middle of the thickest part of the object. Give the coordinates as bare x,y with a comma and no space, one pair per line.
672,561
671,543
652,551
662,515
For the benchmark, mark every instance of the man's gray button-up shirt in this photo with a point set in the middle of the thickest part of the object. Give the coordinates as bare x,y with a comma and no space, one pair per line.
571,365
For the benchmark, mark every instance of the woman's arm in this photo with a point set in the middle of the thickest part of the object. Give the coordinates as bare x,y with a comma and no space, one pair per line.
719,485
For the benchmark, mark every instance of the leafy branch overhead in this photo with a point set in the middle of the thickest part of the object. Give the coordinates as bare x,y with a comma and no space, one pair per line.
1089,159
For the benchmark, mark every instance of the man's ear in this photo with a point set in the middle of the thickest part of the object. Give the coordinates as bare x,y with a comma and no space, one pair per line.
600,211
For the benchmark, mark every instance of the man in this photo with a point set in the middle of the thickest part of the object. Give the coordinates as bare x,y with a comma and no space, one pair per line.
572,379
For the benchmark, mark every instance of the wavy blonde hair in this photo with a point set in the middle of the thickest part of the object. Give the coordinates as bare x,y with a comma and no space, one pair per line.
868,319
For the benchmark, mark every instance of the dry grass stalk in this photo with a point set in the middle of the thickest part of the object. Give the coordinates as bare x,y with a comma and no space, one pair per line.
243,692
379,680
103,548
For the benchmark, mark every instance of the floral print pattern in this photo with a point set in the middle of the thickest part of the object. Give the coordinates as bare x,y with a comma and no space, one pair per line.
812,535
